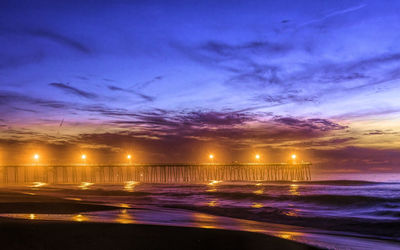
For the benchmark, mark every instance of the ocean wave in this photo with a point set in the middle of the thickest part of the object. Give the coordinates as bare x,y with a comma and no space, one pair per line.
325,199
391,213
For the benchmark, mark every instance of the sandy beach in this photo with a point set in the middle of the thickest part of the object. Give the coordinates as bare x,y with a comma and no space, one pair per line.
41,234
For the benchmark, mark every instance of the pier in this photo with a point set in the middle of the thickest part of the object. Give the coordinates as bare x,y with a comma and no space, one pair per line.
154,173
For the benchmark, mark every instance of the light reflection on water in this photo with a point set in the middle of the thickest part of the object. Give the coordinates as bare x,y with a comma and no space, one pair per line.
195,219
85,185
259,191
80,218
257,205
129,186
290,199
294,189
38,184
124,217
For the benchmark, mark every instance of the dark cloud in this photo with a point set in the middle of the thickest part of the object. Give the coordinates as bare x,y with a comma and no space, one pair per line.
240,60
225,50
60,39
143,96
216,118
286,98
315,124
72,90
381,132
142,85
318,143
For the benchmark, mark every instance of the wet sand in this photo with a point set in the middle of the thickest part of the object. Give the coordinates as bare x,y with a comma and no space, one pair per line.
19,234
37,234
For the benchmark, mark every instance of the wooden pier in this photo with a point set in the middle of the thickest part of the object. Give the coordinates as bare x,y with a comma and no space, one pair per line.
154,173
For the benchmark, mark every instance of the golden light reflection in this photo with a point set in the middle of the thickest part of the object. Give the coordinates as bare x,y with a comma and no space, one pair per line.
124,217
32,216
204,220
124,205
129,186
258,184
294,189
80,218
257,205
260,191
38,184
214,182
291,213
73,199
289,235
212,203
85,185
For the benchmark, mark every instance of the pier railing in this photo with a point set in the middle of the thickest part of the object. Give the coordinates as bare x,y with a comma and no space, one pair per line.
154,173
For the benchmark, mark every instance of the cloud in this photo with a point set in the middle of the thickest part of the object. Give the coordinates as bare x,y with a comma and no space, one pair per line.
145,84
59,38
314,124
143,96
225,50
72,90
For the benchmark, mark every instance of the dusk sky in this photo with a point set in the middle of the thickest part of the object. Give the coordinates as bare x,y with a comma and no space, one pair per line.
173,81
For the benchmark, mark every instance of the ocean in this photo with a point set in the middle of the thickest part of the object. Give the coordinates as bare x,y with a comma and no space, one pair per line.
336,214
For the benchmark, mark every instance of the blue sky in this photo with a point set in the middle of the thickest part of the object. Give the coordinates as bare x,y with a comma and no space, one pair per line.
315,77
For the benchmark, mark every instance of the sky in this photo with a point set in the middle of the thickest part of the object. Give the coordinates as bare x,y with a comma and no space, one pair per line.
173,81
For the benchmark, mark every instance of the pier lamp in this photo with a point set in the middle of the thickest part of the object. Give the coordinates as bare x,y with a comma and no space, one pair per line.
129,157
36,157
257,157
83,157
211,156
294,158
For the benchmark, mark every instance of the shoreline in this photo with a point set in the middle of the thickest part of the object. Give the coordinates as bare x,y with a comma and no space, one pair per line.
45,234
48,212
25,234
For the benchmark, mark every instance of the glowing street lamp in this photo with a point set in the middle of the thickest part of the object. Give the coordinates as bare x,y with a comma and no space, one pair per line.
294,158
83,157
129,157
257,157
36,158
211,156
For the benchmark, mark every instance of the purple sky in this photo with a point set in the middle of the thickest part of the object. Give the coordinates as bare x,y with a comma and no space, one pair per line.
176,80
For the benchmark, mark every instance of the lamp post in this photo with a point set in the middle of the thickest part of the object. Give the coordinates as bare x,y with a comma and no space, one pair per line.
129,157
83,157
294,158
36,157
35,170
211,156
257,157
